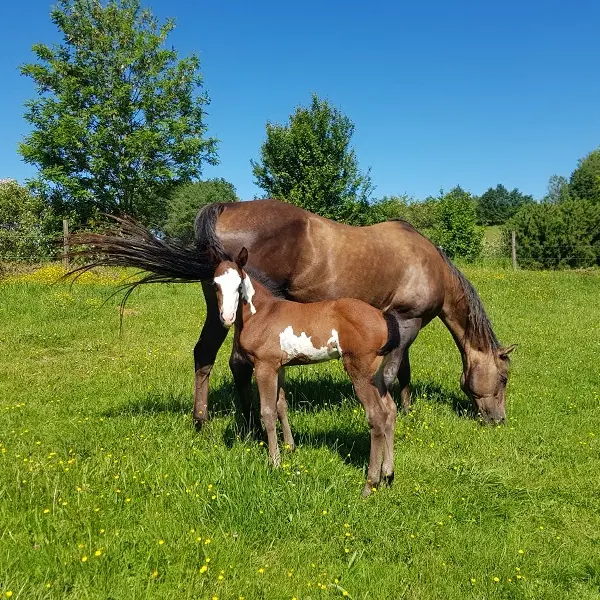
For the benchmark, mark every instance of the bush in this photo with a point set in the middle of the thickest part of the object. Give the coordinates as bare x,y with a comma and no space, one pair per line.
554,236
24,224
187,199
455,230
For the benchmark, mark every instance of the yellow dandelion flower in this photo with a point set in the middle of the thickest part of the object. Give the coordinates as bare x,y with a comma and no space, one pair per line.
84,559
161,542
203,569
207,541
261,570
324,512
220,577
154,574
496,579
46,511
473,581
8,594
521,551
98,552
344,593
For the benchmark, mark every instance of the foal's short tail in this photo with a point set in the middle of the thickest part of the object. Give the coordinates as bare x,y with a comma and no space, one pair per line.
393,338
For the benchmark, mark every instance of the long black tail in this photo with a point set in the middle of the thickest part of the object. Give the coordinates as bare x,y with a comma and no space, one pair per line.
393,339
164,261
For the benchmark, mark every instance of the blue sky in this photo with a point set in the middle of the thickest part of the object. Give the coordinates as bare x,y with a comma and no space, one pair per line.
441,93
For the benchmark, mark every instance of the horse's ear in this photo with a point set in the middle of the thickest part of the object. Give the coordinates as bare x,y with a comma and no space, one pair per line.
242,258
504,352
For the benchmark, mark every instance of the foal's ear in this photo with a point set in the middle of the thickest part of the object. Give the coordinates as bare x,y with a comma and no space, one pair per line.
504,352
242,258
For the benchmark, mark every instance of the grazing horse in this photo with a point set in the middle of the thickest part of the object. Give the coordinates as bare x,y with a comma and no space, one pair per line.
272,333
390,266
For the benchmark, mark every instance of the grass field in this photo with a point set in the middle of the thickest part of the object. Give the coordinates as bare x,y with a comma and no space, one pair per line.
106,490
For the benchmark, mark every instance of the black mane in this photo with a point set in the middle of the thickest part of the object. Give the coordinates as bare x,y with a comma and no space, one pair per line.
479,328
275,289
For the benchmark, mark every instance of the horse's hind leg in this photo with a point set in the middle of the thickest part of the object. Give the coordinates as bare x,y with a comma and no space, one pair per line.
288,439
266,379
205,352
242,368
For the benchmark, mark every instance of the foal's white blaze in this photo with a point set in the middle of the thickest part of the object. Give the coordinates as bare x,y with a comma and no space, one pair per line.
248,292
301,345
229,283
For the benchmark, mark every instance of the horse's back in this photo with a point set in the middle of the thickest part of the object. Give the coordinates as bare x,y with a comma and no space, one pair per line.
389,265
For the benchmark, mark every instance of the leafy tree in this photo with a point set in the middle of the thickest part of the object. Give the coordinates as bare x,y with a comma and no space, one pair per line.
23,221
558,189
456,231
585,180
187,199
118,117
309,162
421,214
551,236
497,205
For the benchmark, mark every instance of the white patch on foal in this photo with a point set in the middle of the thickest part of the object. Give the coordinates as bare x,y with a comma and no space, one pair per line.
229,283
301,345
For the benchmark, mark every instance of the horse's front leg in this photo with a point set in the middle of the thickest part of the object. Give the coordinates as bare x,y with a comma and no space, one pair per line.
205,353
266,380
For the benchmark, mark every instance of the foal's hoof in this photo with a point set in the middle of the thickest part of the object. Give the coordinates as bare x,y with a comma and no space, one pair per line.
367,490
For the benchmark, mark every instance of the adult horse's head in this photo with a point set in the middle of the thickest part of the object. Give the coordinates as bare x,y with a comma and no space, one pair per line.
230,282
484,381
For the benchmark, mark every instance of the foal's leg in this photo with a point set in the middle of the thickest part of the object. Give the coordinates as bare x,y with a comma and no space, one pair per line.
266,379
205,352
376,411
288,439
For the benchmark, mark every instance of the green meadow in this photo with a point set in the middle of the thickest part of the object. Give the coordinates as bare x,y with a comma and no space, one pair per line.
108,492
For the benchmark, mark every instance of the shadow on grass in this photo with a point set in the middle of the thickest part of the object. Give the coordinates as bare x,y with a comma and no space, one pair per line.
303,395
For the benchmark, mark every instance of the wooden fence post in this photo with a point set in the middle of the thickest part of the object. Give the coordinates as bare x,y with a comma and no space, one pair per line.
514,249
65,244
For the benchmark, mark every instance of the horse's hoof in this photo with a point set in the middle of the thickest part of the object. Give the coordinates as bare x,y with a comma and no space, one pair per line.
199,424
387,480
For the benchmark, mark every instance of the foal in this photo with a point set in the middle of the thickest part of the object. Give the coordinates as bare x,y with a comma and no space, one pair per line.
273,333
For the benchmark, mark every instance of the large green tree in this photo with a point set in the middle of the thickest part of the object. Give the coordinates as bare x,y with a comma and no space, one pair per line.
118,116
187,199
309,162
585,180
497,205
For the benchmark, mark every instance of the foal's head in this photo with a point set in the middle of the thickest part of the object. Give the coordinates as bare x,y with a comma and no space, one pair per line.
230,282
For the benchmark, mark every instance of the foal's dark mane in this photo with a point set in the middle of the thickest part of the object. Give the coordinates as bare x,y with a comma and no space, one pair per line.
479,328
275,289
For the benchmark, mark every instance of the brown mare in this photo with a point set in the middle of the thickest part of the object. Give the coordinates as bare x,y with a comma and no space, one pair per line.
272,333
391,266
